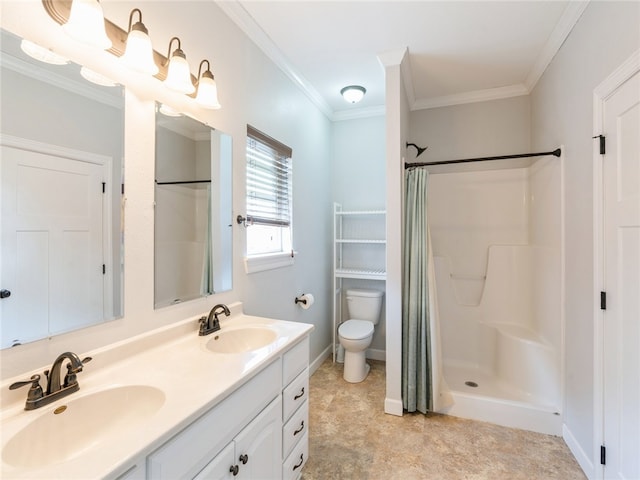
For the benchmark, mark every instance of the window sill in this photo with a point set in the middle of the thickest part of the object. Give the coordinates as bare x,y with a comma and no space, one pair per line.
267,262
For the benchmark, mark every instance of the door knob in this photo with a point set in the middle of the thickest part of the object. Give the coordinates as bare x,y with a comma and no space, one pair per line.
5,293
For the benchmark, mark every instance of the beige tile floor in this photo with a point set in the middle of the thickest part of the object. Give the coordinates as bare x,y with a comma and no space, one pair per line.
350,437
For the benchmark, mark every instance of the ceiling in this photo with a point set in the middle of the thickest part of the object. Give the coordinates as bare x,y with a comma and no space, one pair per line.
458,52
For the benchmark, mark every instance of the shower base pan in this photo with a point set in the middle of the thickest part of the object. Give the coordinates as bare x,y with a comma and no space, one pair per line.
479,395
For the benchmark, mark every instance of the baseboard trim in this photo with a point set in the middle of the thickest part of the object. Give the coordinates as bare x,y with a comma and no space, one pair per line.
375,354
393,406
319,359
581,457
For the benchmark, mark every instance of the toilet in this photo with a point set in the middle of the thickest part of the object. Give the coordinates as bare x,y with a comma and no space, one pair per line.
355,334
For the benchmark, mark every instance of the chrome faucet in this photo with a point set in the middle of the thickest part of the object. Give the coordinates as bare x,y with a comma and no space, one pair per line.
36,398
211,323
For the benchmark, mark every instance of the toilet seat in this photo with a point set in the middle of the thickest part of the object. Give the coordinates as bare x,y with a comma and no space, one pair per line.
355,329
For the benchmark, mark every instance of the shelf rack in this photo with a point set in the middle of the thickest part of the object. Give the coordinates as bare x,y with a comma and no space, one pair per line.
358,239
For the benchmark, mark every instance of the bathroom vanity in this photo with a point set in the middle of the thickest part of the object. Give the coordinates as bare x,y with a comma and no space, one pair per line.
172,404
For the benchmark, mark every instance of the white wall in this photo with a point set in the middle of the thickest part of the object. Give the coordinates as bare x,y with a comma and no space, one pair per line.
561,113
358,182
498,127
251,90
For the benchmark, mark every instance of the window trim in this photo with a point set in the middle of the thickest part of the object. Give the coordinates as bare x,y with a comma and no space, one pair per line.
269,261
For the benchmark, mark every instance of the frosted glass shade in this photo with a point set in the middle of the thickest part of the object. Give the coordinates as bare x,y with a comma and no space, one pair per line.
97,78
138,54
42,54
86,24
207,96
179,75
353,93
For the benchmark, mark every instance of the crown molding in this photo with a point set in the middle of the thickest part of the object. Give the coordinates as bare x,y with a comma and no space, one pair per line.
352,114
563,28
471,97
239,15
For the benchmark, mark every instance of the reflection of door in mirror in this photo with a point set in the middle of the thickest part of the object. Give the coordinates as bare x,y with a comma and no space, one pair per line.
192,226
52,244
61,202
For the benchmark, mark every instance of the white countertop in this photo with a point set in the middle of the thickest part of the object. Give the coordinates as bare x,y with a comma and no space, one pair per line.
174,360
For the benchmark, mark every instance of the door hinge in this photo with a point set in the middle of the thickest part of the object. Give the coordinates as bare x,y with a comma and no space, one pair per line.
104,269
603,455
603,144
104,186
122,189
603,300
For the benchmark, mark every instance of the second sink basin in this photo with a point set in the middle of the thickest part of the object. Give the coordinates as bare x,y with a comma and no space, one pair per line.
75,425
241,340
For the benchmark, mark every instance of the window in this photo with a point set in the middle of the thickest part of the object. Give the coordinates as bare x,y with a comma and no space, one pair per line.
268,202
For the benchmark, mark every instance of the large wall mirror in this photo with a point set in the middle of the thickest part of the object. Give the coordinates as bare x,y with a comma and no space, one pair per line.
193,234
61,163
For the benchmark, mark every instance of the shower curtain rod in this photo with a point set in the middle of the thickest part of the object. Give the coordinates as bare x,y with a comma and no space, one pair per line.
555,153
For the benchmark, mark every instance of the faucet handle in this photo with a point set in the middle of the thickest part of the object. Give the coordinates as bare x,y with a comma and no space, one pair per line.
35,392
70,377
34,381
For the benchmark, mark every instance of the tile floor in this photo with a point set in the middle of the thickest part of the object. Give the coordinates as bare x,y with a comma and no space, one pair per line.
350,437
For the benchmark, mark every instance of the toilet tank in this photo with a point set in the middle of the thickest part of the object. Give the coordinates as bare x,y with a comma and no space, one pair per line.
364,304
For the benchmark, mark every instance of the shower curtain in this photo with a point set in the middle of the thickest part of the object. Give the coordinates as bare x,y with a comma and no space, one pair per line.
421,356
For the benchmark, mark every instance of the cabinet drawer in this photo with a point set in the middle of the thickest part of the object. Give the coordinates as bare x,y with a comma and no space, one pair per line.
295,360
295,429
295,394
190,450
293,465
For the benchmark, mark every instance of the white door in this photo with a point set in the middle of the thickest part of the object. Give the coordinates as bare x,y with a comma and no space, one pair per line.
621,327
52,245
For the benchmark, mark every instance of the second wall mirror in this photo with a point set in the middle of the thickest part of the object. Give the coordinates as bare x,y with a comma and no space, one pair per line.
193,234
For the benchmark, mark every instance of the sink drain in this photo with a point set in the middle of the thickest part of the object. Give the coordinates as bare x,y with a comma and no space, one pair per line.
471,384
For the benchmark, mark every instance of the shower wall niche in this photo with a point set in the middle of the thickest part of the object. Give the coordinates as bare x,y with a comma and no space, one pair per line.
497,241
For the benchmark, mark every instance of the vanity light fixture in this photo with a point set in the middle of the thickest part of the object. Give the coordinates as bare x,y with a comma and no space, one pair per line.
353,93
138,54
97,78
86,24
168,111
42,54
178,72
207,90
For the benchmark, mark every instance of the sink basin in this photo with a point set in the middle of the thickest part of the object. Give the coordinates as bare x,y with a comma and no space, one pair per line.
241,339
61,434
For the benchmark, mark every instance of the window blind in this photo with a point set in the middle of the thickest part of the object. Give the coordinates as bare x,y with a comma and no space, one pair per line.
268,180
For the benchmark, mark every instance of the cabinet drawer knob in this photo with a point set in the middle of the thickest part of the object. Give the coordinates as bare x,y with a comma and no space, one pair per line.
234,469
295,467
301,394
300,429
244,458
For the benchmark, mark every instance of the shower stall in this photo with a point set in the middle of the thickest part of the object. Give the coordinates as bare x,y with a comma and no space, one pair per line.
497,240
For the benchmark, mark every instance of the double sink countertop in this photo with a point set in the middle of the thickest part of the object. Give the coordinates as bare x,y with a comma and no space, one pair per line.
134,396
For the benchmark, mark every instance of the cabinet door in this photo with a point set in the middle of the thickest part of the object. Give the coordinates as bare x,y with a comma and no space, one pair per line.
259,445
221,467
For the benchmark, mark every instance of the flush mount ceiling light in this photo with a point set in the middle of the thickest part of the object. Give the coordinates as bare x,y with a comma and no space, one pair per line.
353,93
207,90
178,74
42,54
86,24
138,54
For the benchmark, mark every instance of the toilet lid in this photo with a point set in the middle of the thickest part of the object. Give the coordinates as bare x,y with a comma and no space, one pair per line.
355,329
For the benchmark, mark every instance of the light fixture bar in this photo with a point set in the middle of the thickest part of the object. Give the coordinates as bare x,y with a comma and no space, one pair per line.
59,11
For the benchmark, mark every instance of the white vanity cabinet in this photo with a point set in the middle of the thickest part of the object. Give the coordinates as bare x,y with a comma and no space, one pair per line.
259,431
254,453
186,454
295,409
